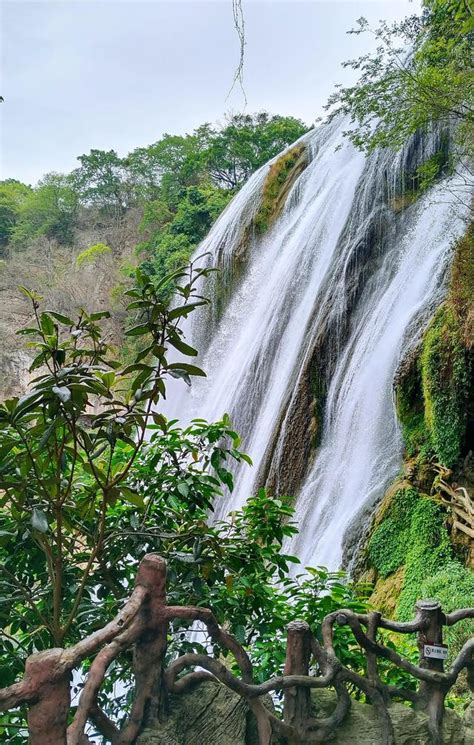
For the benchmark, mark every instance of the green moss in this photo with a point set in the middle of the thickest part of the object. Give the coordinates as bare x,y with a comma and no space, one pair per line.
445,381
427,550
410,549
433,393
388,545
453,586
281,176
411,412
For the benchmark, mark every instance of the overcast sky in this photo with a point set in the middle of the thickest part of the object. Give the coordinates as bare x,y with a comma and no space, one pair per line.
82,74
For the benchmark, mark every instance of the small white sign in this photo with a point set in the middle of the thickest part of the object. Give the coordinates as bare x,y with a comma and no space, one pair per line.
435,652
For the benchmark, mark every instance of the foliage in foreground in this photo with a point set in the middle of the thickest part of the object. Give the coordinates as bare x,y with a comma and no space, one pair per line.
92,477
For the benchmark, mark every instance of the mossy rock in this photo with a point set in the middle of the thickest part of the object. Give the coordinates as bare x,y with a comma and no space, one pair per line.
461,288
281,176
434,387
387,591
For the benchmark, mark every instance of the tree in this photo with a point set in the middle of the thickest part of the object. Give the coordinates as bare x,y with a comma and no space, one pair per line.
245,143
102,181
173,237
419,76
12,194
167,167
194,177
50,209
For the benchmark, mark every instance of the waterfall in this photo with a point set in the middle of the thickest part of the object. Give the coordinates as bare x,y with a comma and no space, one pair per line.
334,292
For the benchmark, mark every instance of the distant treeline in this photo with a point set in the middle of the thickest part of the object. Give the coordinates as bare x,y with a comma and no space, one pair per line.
181,183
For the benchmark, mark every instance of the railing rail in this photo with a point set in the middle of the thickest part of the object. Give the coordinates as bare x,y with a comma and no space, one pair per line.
143,623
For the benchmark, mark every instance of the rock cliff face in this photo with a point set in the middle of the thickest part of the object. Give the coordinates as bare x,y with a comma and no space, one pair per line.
213,715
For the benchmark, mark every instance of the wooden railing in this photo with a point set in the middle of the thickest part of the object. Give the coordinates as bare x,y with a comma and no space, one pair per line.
461,506
143,623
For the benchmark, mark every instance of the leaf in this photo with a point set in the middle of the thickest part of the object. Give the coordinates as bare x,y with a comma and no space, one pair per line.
99,451
39,520
46,435
160,420
181,374
181,346
139,330
132,497
30,294
61,318
47,324
137,366
185,310
100,314
25,332
185,367
183,488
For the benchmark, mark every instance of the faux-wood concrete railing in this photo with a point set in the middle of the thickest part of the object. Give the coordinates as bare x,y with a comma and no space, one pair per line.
143,624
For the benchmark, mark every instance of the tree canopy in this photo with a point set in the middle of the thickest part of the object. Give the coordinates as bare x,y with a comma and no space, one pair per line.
420,75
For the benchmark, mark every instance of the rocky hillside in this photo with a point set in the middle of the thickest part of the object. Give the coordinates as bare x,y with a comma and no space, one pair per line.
68,278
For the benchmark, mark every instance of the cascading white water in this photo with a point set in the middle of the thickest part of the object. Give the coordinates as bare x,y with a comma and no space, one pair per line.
300,276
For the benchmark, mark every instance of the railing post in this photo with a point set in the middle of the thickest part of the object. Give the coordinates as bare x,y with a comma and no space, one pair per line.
432,695
297,701
150,650
48,716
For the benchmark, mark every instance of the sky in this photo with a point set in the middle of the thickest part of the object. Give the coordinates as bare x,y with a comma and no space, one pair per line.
82,74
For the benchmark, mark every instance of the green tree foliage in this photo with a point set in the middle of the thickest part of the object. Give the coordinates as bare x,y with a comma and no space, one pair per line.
12,195
420,75
192,178
245,143
174,235
181,183
101,181
167,167
50,209
92,254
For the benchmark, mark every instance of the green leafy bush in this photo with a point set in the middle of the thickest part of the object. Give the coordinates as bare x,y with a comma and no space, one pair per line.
413,534
12,195
50,209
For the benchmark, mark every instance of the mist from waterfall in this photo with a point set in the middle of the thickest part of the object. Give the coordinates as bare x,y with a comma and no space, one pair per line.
339,261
